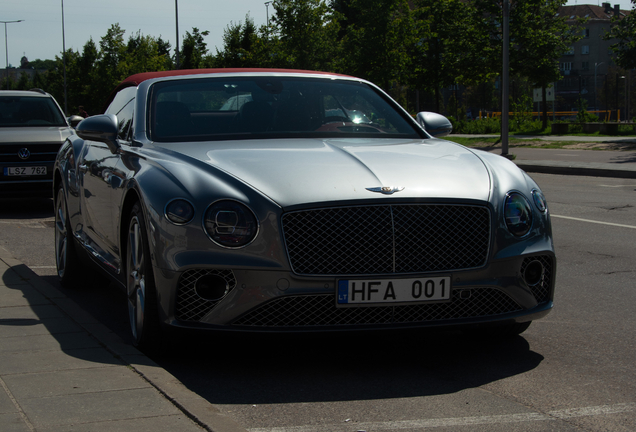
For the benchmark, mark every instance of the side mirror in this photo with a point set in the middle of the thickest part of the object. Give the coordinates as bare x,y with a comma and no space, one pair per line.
435,124
102,128
74,120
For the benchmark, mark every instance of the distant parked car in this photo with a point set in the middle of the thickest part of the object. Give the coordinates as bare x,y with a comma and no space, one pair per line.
316,203
32,129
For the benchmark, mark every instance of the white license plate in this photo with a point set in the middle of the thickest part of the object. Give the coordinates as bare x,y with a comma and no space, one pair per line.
374,291
25,171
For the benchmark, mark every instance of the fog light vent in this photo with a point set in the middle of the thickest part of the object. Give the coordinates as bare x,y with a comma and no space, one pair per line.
211,287
533,273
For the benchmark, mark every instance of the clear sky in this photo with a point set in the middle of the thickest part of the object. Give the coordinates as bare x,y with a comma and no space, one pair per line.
39,36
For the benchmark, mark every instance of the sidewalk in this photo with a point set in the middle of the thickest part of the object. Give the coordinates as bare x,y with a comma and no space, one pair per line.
594,163
61,370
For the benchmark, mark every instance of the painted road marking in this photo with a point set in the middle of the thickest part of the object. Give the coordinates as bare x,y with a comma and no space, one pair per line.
593,221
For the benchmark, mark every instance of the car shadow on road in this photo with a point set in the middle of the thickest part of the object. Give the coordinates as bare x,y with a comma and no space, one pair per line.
31,310
272,369
626,158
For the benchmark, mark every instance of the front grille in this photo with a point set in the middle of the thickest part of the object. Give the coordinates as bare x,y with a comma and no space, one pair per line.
39,152
321,311
189,306
541,291
387,239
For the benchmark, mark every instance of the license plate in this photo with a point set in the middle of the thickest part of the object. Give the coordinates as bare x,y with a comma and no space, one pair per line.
25,171
374,291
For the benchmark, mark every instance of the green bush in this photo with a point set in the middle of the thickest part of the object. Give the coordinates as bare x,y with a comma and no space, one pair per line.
480,126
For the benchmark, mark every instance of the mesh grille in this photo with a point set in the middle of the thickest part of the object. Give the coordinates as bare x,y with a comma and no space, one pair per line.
541,291
189,305
320,310
387,239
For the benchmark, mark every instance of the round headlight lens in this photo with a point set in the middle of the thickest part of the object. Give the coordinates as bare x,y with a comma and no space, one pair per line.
518,214
539,200
230,224
179,211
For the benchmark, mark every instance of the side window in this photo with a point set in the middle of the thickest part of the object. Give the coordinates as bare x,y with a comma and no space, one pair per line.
125,117
122,106
121,100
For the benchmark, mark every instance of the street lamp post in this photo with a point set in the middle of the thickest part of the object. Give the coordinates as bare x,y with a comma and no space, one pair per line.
6,47
267,3
176,15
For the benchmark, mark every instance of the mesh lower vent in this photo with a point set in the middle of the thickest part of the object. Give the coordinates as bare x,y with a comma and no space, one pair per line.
320,310
189,305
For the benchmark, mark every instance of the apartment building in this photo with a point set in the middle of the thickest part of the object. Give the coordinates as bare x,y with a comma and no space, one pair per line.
589,68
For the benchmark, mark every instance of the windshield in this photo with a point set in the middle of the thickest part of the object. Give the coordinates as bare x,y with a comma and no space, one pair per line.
263,107
20,111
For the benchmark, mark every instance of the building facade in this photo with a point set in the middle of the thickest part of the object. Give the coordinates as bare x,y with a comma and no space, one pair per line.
589,68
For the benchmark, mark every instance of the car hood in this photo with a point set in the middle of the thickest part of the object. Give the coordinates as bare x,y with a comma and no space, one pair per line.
35,134
297,171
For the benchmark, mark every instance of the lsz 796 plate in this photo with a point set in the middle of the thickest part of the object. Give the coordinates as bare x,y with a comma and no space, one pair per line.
378,291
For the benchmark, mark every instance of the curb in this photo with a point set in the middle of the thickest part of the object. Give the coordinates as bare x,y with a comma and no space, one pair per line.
196,408
588,169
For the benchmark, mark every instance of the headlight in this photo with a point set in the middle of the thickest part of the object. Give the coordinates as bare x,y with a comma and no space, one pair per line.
179,212
518,214
230,224
539,200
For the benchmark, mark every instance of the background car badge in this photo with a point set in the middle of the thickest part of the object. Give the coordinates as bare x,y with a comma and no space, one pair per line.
386,190
24,153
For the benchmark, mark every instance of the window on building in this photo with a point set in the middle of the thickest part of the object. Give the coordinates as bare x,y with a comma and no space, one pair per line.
566,66
585,66
570,51
585,49
586,33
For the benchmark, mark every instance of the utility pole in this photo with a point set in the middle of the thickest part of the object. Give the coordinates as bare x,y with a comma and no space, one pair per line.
504,79
64,62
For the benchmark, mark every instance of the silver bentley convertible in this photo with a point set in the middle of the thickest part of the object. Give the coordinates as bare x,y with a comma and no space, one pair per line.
286,201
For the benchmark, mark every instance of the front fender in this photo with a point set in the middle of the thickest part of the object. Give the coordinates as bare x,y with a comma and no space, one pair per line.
65,173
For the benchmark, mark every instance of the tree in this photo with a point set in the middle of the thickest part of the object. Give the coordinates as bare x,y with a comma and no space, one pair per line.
448,47
542,38
38,64
194,53
624,29
109,64
246,46
306,32
376,44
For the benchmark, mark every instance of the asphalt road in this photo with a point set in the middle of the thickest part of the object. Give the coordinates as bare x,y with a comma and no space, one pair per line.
572,371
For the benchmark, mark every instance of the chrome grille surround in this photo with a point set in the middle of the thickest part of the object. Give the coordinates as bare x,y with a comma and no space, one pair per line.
320,311
387,239
189,306
541,291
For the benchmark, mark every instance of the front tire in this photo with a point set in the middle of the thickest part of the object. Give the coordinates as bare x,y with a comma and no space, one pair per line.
140,285
66,259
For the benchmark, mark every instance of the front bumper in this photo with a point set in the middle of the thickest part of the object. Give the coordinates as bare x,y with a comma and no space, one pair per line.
281,302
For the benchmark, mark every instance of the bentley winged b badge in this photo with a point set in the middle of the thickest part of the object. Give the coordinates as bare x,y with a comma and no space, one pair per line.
386,190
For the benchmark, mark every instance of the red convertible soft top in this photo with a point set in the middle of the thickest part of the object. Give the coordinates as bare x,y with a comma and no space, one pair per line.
135,80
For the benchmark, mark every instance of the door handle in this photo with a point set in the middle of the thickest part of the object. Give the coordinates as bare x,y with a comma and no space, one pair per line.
82,168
